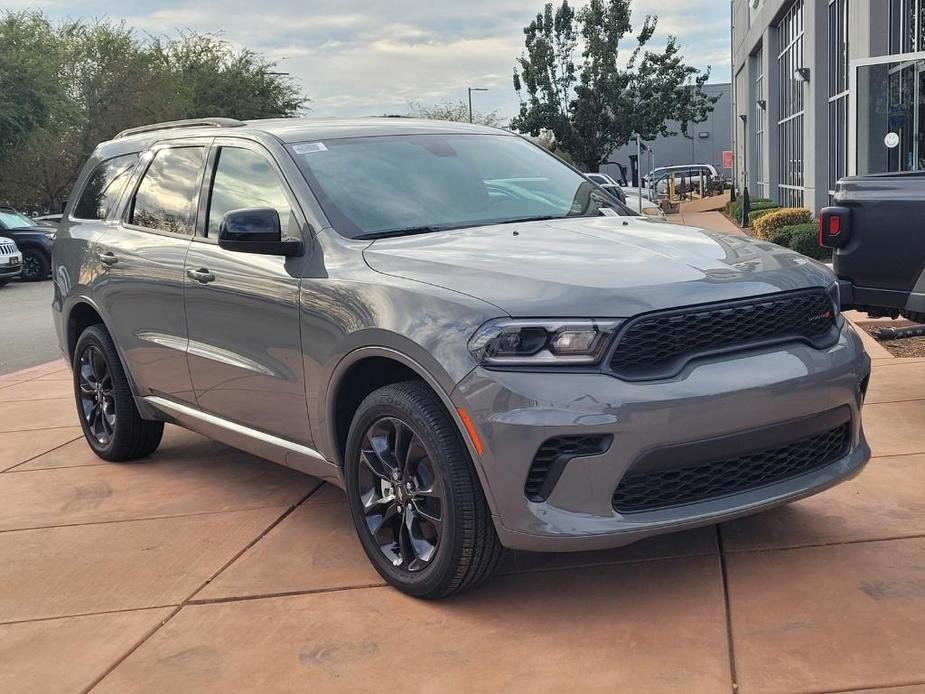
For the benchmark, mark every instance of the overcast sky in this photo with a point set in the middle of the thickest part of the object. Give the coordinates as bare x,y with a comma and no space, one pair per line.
368,57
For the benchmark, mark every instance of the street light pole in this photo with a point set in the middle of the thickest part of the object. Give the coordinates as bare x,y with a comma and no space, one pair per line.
473,89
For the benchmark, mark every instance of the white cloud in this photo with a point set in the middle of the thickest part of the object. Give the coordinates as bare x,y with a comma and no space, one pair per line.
359,57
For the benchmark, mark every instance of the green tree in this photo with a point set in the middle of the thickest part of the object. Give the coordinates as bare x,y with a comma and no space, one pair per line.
570,81
210,78
80,83
455,111
29,79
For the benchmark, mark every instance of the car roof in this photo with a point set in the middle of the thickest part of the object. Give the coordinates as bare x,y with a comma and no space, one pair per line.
678,166
289,130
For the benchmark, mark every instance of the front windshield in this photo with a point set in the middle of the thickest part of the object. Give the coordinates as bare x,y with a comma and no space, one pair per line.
382,186
15,220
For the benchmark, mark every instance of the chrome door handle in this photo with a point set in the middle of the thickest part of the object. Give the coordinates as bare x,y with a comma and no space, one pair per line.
107,258
202,275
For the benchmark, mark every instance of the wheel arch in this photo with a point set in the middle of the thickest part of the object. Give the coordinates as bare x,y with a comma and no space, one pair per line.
353,364
79,314
386,365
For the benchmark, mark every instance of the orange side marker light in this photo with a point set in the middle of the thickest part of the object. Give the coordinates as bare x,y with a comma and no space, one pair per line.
470,427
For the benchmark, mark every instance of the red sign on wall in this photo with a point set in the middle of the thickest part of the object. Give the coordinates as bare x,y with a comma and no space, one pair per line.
727,159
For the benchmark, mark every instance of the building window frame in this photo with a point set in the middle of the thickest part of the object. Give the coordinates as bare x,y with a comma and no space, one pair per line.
907,26
838,93
761,123
792,99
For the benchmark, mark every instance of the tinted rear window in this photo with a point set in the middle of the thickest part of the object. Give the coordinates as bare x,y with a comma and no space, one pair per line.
167,196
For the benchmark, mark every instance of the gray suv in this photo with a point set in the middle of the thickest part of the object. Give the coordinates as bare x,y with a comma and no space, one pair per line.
479,345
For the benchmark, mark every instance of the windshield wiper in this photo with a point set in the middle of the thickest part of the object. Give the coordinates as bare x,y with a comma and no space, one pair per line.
409,231
543,218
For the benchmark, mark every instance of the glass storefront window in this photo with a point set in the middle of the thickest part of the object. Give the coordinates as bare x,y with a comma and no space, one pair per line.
890,100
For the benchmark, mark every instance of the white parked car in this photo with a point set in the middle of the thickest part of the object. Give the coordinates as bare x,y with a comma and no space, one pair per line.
684,174
647,209
10,260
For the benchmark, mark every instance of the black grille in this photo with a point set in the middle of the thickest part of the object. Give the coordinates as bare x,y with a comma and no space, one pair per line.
552,457
658,344
648,491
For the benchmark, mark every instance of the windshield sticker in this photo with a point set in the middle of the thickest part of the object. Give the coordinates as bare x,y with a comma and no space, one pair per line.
309,148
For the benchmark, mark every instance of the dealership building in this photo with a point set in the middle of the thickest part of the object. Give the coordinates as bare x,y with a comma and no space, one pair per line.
823,89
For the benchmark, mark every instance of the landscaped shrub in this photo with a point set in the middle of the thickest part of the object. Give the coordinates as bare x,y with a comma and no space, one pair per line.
734,209
805,239
782,236
758,214
775,219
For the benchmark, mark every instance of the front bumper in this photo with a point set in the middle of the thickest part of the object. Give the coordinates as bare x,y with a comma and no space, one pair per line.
515,412
8,271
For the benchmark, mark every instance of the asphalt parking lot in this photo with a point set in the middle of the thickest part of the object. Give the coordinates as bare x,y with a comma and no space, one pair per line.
27,335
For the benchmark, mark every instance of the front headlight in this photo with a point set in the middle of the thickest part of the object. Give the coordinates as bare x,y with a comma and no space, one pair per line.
553,342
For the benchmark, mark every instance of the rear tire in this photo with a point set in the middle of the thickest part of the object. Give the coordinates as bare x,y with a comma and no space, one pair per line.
404,452
105,404
3,283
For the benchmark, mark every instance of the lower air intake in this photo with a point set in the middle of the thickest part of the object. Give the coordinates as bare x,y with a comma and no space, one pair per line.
649,491
553,456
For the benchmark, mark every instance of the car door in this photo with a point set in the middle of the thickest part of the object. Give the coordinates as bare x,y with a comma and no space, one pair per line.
141,263
245,347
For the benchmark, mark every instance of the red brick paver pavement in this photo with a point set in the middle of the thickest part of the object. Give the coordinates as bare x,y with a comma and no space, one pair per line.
205,569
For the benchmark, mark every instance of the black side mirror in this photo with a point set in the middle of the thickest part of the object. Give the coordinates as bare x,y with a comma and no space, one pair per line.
256,230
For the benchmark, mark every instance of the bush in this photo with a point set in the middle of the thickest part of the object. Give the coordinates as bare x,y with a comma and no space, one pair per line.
804,238
734,209
776,219
758,214
782,236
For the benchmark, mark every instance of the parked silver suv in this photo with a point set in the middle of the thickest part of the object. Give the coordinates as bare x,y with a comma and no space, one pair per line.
455,327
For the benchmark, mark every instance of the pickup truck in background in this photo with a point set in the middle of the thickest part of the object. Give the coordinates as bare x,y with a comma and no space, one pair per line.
877,232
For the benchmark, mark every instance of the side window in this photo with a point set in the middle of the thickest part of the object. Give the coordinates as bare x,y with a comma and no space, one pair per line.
243,178
168,194
103,187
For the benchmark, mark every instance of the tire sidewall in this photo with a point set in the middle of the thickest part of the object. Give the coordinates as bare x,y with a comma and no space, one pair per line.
44,266
375,407
97,337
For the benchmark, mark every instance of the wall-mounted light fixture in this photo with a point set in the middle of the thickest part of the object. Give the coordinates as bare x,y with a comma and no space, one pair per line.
801,74
703,134
762,104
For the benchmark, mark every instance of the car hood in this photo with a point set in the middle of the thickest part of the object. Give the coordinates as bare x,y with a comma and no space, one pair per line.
595,266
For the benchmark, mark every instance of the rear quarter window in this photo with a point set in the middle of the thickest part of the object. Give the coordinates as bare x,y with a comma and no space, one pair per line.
103,186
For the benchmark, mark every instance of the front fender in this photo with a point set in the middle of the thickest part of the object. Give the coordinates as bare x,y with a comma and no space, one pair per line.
429,371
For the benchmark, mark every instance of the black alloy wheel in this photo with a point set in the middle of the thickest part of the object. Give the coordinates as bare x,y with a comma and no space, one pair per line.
97,400
34,266
106,405
414,494
402,494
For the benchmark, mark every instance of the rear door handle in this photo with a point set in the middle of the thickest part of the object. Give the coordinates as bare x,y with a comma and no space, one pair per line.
107,258
202,275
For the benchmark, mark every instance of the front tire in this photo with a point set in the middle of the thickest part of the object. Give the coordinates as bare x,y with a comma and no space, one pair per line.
35,266
105,404
417,505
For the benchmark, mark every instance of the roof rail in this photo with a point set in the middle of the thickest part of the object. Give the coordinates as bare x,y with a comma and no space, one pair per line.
188,123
